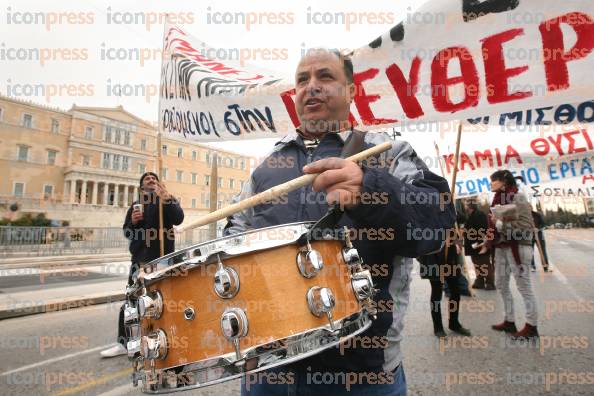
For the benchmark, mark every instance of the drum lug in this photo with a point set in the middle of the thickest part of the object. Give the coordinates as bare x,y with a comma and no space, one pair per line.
350,255
235,325
309,262
226,281
362,285
130,314
133,347
154,346
321,302
150,305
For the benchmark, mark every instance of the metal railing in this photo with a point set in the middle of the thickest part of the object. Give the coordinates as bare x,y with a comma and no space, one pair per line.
54,241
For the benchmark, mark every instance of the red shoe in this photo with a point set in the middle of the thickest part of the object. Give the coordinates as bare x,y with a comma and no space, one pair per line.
527,333
508,327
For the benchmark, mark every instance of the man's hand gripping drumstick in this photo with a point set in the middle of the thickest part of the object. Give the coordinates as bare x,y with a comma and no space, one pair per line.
341,178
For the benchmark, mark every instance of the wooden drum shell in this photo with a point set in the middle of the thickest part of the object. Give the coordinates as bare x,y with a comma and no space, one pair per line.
272,293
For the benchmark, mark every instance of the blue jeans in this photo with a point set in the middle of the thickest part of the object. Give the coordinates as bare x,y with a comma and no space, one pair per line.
287,381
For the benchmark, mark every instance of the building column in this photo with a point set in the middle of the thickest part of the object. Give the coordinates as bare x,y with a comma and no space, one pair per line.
64,199
94,194
126,188
105,193
83,192
72,191
116,192
135,196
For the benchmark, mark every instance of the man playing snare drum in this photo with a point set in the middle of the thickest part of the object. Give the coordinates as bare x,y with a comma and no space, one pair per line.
396,194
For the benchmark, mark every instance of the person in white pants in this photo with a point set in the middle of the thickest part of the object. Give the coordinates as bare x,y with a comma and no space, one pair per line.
512,241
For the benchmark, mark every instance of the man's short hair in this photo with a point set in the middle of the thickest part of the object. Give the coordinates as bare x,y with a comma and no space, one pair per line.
347,63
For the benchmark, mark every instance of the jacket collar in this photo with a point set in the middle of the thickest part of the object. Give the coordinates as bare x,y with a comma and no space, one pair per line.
294,138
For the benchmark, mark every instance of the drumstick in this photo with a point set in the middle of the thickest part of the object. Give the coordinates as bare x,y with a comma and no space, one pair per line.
276,191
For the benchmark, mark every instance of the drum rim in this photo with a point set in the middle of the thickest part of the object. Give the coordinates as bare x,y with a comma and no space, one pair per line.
191,262
361,320
229,237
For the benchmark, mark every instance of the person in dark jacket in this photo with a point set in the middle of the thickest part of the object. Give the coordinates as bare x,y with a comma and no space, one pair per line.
141,227
396,192
475,233
439,270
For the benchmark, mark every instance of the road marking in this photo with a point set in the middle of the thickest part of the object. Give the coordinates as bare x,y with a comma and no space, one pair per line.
91,384
561,278
56,359
563,243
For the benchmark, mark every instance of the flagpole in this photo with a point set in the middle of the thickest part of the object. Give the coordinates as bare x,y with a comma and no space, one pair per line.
160,150
160,167
214,185
453,193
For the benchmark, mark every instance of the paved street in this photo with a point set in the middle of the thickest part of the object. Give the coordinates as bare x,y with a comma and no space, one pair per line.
58,353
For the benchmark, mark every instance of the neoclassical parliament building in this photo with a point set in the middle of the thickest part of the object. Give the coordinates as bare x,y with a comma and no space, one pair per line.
83,165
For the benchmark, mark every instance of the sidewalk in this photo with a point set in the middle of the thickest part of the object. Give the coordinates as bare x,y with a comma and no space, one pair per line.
28,291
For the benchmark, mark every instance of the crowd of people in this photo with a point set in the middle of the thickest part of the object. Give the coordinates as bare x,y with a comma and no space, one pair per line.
500,244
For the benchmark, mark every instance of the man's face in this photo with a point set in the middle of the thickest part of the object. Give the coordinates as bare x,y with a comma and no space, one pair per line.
323,95
149,183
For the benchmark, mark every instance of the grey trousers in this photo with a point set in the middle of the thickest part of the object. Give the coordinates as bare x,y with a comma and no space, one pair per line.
505,264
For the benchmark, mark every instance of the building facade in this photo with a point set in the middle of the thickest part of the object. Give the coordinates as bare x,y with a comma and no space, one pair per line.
83,165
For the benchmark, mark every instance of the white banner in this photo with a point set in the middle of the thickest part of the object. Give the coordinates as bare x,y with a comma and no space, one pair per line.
551,165
519,61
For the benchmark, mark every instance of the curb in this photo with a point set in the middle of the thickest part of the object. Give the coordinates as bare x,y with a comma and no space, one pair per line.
61,305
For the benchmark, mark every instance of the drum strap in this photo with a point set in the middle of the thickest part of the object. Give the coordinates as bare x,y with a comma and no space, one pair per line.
354,144
326,225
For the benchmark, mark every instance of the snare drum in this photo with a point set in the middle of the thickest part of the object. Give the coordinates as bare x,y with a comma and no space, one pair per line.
244,303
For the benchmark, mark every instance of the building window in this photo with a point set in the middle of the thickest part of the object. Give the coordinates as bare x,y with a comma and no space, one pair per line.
85,160
194,203
242,183
180,152
194,155
231,183
22,153
55,126
164,150
118,136
107,134
219,204
106,160
51,157
125,161
126,138
219,182
27,121
89,133
207,158
242,164
1,113
179,175
141,168
48,191
207,203
164,173
194,177
143,144
207,180
116,162
18,189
